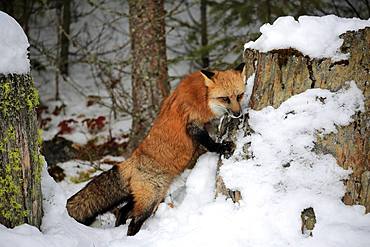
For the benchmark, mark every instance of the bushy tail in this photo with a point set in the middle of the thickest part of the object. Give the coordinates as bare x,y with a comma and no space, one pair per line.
100,195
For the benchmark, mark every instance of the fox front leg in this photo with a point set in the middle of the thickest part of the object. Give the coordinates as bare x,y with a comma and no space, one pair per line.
200,135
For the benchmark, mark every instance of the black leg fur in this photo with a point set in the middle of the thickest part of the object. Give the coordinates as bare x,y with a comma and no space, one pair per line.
200,135
137,222
124,213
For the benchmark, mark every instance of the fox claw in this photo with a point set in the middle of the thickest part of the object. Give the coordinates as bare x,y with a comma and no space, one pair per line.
227,148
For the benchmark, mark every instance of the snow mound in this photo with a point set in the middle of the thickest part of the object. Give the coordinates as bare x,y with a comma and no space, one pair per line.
317,37
13,47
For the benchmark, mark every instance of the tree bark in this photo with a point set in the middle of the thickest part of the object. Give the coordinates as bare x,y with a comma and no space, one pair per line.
65,23
280,74
20,161
64,16
204,33
149,64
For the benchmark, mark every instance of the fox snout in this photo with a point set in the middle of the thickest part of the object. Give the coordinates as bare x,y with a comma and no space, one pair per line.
234,108
230,107
235,114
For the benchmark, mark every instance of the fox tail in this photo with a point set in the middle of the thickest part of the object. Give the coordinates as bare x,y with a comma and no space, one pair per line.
103,193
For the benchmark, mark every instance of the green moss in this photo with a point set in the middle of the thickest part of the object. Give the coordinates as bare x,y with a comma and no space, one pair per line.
39,138
38,163
10,133
5,91
17,92
38,158
15,158
83,176
32,99
9,136
10,189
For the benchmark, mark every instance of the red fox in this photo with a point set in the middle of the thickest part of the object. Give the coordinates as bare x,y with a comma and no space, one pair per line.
143,179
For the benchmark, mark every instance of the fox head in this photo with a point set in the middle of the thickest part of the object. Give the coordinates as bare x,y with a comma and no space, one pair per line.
225,90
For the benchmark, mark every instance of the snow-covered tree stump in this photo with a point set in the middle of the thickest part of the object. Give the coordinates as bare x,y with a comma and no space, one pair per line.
277,76
282,73
20,160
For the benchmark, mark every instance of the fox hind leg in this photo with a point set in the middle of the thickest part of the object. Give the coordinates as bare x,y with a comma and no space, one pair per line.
139,220
148,190
146,201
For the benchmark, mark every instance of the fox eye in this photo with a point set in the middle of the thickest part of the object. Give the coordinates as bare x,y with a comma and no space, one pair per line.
225,99
240,96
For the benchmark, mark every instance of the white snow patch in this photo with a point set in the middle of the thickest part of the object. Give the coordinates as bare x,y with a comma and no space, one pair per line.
317,37
248,92
273,195
13,46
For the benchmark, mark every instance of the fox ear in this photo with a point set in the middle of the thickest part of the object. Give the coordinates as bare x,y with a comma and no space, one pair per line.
240,67
207,73
207,77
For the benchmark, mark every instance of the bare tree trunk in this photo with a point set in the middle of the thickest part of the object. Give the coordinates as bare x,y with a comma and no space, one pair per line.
64,20
280,74
20,161
268,9
204,33
149,64
64,36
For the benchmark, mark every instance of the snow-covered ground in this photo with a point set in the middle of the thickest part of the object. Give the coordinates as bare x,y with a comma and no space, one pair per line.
274,193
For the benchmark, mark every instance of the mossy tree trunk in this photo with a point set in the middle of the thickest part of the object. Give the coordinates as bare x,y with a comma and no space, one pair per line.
20,161
149,64
280,74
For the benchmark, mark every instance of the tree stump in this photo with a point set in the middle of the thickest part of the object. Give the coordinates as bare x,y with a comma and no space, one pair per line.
280,74
20,160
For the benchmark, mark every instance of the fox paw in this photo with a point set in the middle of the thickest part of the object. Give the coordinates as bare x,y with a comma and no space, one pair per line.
227,148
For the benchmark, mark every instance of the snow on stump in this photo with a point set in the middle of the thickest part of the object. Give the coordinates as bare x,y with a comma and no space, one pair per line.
292,56
20,160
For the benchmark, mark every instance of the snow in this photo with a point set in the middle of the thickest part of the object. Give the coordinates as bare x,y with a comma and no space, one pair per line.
284,177
13,47
248,92
317,37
